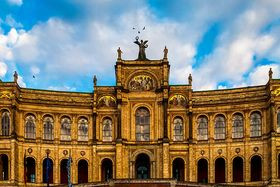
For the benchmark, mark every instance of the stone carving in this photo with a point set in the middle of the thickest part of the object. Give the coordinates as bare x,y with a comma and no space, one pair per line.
237,150
107,101
276,92
256,149
6,94
142,83
65,152
202,152
178,100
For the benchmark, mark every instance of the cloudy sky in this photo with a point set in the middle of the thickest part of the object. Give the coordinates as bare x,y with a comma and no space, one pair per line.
63,43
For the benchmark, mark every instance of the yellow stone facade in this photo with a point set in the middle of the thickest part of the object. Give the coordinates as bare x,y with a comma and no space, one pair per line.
119,103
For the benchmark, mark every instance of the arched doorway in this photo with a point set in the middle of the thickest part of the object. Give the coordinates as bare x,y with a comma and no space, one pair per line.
220,170
142,166
256,168
4,165
30,169
106,169
237,167
202,171
63,172
82,171
48,170
178,168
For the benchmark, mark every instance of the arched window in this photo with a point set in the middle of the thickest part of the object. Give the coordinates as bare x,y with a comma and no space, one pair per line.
83,129
220,127
63,171
255,124
107,129
237,126
178,129
202,131
5,123
220,170
65,129
48,128
30,128
142,124
202,171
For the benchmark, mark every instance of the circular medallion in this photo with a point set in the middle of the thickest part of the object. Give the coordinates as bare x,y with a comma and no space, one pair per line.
65,152
237,150
202,152
220,151
29,150
256,149
82,153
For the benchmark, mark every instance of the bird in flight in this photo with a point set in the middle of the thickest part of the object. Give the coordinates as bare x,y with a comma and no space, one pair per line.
33,76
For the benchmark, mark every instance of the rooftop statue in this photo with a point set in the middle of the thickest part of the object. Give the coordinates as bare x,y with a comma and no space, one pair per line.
142,45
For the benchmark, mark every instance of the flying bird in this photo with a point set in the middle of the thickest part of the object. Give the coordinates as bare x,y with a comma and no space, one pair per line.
133,28
33,76
144,28
138,32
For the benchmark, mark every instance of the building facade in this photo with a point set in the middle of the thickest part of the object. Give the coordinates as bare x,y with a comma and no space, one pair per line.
142,127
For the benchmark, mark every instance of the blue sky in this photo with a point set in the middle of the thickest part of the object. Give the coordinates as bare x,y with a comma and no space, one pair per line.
63,43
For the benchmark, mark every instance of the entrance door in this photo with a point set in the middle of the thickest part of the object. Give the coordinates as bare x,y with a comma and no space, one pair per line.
142,166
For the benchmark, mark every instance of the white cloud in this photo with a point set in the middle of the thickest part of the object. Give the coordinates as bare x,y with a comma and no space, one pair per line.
35,70
10,21
62,88
3,69
21,82
259,75
16,2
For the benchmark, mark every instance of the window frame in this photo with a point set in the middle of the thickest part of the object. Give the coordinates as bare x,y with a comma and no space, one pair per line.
66,135
202,128
142,124
82,125
236,129
30,128
48,124
255,127
220,127
107,133
178,131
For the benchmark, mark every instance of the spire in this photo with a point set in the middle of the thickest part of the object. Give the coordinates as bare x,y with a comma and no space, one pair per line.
190,79
165,52
15,77
270,73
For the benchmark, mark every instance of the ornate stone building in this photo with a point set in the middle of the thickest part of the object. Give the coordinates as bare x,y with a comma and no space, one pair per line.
142,127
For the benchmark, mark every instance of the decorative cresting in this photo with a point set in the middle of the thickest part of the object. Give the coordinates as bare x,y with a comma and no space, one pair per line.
6,94
106,101
142,83
178,100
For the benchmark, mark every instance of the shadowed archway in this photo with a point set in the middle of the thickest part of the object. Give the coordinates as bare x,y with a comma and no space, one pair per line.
202,171
142,166
106,169
178,168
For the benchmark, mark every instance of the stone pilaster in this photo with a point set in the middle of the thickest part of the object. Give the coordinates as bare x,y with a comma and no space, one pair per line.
165,160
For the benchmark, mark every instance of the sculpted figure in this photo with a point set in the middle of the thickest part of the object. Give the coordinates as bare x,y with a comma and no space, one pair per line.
142,46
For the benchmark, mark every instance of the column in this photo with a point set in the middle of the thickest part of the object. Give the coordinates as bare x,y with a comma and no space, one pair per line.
190,126
119,127
94,127
165,129
119,161
165,160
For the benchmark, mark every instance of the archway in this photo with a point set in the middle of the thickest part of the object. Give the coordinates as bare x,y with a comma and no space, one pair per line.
63,172
256,168
202,171
4,165
220,170
106,169
48,170
178,167
30,169
237,167
142,166
82,171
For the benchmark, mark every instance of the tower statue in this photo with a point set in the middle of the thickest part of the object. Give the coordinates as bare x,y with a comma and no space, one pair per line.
142,46
165,52
15,76
119,53
270,73
190,79
94,80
